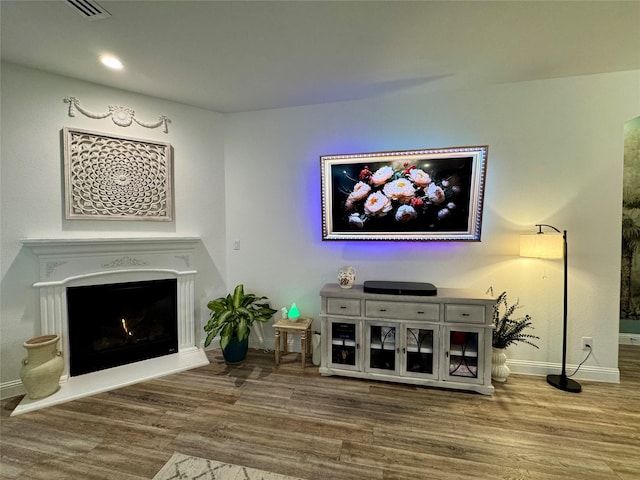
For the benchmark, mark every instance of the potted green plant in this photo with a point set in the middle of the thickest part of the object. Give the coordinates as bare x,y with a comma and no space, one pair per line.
232,316
507,331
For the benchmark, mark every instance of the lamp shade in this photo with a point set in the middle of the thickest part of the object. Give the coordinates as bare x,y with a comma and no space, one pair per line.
542,245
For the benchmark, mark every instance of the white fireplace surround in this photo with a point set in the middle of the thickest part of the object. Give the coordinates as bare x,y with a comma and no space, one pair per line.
95,261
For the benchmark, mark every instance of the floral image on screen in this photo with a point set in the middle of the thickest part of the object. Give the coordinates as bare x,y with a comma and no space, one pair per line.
433,194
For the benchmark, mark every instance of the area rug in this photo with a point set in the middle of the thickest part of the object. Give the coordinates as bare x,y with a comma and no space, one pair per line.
184,467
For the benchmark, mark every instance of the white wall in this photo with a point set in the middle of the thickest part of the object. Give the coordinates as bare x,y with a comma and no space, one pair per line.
32,175
555,156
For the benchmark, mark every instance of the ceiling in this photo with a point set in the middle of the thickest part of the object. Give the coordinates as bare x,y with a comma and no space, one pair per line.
234,56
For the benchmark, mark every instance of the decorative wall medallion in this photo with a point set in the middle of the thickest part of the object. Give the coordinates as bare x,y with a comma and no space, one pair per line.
51,266
116,178
124,261
121,116
185,259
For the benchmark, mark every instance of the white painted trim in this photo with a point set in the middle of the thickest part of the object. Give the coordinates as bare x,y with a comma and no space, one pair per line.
10,389
114,273
58,246
629,339
586,372
541,369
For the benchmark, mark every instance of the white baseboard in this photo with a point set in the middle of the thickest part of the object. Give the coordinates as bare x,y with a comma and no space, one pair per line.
542,369
11,389
629,339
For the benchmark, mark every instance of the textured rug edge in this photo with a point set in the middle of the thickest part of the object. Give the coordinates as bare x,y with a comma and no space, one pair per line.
187,467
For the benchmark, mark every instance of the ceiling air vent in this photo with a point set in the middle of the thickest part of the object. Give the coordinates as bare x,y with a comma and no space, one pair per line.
89,9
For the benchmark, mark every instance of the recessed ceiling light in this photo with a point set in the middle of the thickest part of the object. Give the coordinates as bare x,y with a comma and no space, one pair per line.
111,62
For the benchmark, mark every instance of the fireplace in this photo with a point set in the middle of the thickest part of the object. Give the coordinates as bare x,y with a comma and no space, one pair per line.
84,286
120,323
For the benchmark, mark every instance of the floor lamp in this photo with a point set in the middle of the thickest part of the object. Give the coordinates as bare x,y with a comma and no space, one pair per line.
552,245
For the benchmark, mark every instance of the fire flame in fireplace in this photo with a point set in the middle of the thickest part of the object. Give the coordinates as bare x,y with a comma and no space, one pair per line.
124,327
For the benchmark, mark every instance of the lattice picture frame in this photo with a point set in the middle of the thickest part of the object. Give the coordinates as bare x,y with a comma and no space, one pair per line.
111,177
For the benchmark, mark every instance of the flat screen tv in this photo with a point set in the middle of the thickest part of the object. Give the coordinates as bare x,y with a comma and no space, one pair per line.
415,195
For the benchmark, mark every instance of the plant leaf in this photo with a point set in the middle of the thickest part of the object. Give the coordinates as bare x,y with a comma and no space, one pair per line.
209,338
243,329
508,331
238,296
226,334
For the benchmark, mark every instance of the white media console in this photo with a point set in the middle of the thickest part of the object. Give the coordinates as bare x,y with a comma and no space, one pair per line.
442,340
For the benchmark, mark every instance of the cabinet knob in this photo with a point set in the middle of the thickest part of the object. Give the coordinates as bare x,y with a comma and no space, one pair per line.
421,313
465,314
383,309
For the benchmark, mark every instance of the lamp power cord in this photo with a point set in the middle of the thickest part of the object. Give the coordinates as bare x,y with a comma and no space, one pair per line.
582,362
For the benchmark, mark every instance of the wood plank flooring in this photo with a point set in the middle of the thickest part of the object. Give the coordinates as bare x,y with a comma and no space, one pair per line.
301,424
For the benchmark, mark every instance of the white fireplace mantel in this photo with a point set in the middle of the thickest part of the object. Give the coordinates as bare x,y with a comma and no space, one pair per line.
93,261
52,252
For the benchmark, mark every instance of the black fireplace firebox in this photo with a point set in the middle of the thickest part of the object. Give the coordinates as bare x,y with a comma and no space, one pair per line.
121,323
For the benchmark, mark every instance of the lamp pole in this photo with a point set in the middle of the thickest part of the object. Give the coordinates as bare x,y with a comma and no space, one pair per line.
562,382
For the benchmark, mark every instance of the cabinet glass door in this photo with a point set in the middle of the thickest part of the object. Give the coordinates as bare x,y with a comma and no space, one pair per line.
463,353
345,344
420,352
381,343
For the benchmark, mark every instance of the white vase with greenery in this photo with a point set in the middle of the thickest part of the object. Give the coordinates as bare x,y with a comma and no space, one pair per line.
507,331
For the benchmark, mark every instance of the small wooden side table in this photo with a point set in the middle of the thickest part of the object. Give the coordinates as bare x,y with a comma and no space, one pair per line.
301,326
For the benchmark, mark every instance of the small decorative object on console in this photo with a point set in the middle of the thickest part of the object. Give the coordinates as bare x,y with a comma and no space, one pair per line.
346,276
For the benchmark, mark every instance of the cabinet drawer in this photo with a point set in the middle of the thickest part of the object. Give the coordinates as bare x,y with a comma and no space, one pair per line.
402,311
464,313
343,306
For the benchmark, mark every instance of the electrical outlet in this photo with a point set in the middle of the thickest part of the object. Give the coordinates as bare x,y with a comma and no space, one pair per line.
587,341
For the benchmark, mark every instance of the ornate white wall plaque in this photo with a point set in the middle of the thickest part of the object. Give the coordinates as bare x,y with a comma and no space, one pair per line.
110,177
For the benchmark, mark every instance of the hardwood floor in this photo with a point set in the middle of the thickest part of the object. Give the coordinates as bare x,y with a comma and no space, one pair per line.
302,424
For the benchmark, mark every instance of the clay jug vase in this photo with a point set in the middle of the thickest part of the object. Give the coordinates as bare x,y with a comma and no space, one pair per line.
42,367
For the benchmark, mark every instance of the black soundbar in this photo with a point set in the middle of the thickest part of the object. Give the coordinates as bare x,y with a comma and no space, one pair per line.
400,288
